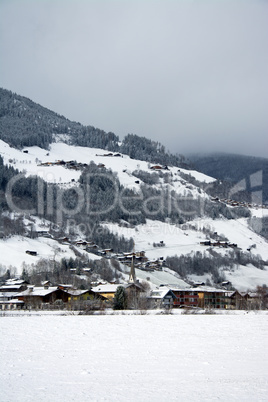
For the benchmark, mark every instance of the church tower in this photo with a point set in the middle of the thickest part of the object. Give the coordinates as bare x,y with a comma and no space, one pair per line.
132,275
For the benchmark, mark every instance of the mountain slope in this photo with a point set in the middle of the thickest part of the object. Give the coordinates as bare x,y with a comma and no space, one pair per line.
158,239
234,168
25,123
69,199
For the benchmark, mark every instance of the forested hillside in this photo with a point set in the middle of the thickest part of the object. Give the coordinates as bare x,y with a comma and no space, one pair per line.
151,151
24,123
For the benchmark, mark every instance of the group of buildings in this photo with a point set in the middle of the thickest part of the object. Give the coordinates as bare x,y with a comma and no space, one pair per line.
17,294
235,203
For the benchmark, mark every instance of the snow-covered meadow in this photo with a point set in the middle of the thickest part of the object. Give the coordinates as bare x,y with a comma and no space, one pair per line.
30,163
135,358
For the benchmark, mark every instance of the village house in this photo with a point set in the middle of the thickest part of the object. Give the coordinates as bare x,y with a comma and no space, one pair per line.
127,258
79,295
43,233
107,251
74,294
36,296
156,167
46,284
207,297
81,243
79,299
8,294
11,304
237,300
185,297
13,286
254,300
107,290
161,298
31,252
212,298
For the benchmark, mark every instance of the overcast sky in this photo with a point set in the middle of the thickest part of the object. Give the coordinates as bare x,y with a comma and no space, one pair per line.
192,74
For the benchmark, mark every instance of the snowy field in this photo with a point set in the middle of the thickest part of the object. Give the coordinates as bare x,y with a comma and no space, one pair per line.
134,358
30,162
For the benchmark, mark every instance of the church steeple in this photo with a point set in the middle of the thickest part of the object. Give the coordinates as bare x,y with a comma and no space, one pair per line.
132,274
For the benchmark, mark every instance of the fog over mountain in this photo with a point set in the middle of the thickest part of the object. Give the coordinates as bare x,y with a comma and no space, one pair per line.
192,75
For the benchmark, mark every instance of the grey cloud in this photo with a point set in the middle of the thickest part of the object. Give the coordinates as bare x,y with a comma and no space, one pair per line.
190,74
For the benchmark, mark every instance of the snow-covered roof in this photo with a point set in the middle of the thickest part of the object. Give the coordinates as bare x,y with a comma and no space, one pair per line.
5,295
14,281
8,287
38,291
75,292
43,283
178,289
108,288
198,289
252,294
66,286
208,289
160,293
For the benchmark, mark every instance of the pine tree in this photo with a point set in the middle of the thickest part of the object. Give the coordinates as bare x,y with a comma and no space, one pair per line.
120,298
24,275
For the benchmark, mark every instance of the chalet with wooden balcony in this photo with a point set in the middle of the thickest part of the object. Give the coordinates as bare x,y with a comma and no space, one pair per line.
212,298
185,298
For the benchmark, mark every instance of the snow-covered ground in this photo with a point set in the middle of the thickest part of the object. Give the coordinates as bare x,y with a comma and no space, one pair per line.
237,231
134,358
165,277
123,166
13,251
176,240
180,241
244,278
